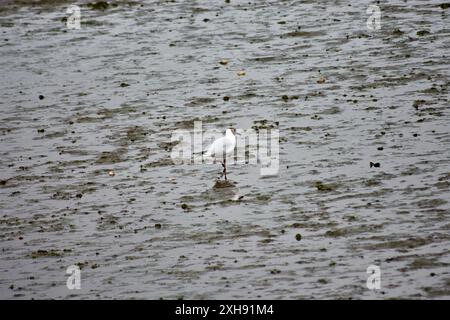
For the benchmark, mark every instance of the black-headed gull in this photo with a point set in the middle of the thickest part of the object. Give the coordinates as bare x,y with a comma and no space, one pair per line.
223,147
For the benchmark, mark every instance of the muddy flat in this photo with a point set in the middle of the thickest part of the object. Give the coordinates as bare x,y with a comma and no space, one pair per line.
87,179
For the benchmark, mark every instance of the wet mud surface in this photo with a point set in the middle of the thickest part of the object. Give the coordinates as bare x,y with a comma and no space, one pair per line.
85,139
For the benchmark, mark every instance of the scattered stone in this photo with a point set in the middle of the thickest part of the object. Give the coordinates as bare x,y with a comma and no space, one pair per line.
223,62
321,80
418,103
397,32
422,33
41,97
226,98
158,225
111,173
241,73
275,271
223,184
323,187
298,237
124,85
100,5
45,253
376,164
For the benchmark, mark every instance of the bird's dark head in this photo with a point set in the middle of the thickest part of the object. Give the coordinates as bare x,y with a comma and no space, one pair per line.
232,130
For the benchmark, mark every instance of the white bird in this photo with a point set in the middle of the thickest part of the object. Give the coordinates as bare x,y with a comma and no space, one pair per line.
223,147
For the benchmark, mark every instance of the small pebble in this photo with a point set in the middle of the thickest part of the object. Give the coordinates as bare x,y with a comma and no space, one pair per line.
321,80
376,164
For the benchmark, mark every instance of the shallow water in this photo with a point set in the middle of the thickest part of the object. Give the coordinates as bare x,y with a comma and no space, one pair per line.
114,92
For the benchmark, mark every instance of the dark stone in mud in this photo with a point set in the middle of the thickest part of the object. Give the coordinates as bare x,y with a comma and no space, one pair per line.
184,206
41,130
124,85
418,103
380,148
79,195
374,164
109,157
158,225
324,187
422,33
298,237
372,182
41,97
335,233
275,271
45,253
223,184
100,5
226,98
444,6
397,32
285,98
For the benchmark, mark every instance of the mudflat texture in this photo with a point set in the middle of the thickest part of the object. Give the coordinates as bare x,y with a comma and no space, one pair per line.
112,94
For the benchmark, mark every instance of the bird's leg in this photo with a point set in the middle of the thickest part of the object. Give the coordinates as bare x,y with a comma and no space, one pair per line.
222,173
225,167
